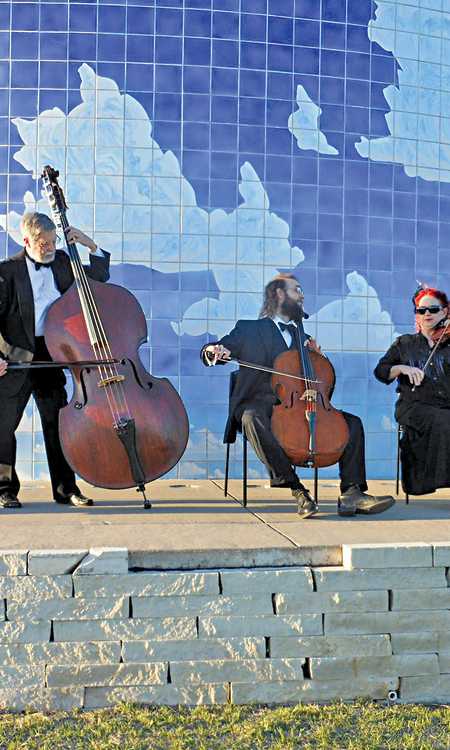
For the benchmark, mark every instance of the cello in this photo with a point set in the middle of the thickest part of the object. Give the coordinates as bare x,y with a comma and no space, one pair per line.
310,430
123,427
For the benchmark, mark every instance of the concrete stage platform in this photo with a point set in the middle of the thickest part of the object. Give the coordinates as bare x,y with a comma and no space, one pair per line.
192,525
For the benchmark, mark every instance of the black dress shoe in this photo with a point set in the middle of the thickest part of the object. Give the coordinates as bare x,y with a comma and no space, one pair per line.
9,500
354,500
306,505
76,499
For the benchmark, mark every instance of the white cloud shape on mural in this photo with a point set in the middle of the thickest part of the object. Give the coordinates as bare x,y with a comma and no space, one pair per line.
355,322
133,198
127,192
419,117
304,125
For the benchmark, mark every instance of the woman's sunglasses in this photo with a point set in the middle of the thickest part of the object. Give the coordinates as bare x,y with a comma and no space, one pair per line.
433,309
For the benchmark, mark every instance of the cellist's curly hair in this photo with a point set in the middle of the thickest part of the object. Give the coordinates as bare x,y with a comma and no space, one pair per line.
270,302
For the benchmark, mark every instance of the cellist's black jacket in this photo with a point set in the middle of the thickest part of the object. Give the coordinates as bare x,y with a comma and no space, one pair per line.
259,342
17,337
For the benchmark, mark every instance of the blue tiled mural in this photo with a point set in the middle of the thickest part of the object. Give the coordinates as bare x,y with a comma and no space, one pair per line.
209,144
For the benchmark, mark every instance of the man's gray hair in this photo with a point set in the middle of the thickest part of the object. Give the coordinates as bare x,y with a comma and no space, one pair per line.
34,223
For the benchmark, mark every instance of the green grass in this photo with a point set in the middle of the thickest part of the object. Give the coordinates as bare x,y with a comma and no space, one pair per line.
356,726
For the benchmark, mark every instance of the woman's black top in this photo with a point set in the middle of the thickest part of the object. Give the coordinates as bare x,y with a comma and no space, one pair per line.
414,350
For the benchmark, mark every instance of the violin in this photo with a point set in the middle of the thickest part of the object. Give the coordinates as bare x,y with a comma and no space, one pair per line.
123,427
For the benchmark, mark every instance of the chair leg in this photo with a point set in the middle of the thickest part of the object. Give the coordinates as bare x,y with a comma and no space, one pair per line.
244,470
397,482
316,485
227,468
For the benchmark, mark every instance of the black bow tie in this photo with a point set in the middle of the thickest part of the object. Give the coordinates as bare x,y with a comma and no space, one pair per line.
36,263
287,327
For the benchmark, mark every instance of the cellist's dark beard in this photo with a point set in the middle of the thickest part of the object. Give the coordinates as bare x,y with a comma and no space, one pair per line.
290,309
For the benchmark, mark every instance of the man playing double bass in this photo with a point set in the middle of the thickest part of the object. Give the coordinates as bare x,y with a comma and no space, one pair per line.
29,282
260,342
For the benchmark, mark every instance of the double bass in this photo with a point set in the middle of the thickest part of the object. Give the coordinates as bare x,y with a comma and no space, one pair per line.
123,427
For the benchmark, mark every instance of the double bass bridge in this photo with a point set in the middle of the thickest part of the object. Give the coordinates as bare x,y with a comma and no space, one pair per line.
109,381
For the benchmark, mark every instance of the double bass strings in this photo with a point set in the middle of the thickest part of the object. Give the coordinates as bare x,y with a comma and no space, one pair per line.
94,320
115,389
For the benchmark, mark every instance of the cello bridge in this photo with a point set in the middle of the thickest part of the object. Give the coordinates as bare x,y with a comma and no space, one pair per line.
309,395
108,381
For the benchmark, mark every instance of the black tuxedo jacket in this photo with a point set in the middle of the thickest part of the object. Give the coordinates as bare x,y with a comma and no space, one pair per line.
260,342
17,337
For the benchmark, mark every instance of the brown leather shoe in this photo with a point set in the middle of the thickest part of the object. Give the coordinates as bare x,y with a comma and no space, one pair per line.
9,500
354,500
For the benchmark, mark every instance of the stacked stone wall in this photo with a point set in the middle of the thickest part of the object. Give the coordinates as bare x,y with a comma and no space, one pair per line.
78,629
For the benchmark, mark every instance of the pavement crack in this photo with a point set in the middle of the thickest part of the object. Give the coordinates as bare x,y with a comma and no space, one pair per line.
260,518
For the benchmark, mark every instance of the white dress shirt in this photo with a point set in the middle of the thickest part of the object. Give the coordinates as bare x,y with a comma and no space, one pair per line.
286,334
45,291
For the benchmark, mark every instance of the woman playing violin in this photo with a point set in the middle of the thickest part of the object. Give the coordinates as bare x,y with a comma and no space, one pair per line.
423,385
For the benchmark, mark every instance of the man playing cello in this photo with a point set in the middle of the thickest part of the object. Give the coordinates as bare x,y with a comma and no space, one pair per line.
252,401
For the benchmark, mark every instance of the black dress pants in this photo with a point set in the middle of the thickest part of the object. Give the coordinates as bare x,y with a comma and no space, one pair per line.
256,416
47,388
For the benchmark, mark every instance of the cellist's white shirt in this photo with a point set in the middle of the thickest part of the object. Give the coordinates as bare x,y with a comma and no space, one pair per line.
45,291
286,335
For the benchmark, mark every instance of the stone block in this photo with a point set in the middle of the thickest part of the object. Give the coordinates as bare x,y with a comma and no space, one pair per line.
427,690
13,562
101,652
265,625
385,622
168,628
105,675
329,645
444,663
23,676
415,643
25,632
52,562
337,601
403,665
414,555
104,561
414,599
30,588
199,649
339,579
162,695
444,641
180,606
69,609
245,670
441,554
266,581
311,691
41,699
147,584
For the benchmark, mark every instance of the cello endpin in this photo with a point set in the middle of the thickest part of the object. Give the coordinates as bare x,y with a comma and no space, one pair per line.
147,503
